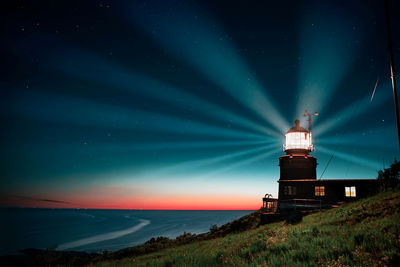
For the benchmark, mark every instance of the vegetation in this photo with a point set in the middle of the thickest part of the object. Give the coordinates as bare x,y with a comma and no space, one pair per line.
248,222
363,233
390,178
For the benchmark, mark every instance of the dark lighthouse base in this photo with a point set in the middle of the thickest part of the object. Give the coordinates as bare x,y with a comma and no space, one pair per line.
298,167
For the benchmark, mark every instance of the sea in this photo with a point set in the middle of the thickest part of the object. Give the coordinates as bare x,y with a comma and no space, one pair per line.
100,230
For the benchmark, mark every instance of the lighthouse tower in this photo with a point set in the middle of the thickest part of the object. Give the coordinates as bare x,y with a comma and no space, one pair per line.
298,164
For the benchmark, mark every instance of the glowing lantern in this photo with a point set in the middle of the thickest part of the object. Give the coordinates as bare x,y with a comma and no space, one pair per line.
298,139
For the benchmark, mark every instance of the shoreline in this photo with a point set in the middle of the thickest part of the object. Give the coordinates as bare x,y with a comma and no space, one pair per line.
97,231
80,258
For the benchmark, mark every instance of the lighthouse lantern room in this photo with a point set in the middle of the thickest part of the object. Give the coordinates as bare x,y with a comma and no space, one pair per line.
298,139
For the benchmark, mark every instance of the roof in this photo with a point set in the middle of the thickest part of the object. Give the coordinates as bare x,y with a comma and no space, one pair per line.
327,180
269,198
297,128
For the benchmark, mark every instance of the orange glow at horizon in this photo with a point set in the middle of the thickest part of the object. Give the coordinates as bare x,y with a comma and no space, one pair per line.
158,202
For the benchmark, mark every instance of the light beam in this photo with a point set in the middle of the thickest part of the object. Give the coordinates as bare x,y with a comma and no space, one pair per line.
327,51
92,68
365,162
56,108
350,112
197,39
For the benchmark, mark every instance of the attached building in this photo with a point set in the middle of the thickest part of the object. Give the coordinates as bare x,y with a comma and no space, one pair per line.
298,182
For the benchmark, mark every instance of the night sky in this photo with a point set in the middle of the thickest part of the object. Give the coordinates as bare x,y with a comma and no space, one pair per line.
184,104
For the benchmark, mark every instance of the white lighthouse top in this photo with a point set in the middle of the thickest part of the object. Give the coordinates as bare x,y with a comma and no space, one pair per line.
298,139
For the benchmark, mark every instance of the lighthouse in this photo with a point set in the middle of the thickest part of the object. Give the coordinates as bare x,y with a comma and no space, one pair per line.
299,188
298,176
298,163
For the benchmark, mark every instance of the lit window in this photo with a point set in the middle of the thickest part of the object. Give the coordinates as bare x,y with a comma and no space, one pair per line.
289,190
350,191
320,191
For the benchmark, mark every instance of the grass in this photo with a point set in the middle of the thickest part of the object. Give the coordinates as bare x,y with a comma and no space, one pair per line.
362,233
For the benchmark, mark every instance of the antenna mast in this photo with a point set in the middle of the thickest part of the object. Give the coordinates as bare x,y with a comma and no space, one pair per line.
392,73
310,124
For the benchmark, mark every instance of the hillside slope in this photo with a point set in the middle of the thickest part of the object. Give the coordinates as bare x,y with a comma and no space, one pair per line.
366,233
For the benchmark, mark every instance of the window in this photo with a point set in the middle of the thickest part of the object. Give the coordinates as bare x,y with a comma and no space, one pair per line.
350,191
289,190
320,191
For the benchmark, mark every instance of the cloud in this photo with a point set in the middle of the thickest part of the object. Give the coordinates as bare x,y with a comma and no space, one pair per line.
41,199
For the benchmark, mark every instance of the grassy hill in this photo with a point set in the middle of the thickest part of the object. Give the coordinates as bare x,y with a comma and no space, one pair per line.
363,233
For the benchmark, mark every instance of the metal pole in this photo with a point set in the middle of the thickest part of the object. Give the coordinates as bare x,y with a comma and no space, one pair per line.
309,120
392,72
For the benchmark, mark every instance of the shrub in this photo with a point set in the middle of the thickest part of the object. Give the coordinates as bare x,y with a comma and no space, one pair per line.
214,228
390,178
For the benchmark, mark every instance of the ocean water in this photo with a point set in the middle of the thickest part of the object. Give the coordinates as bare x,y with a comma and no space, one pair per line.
99,230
